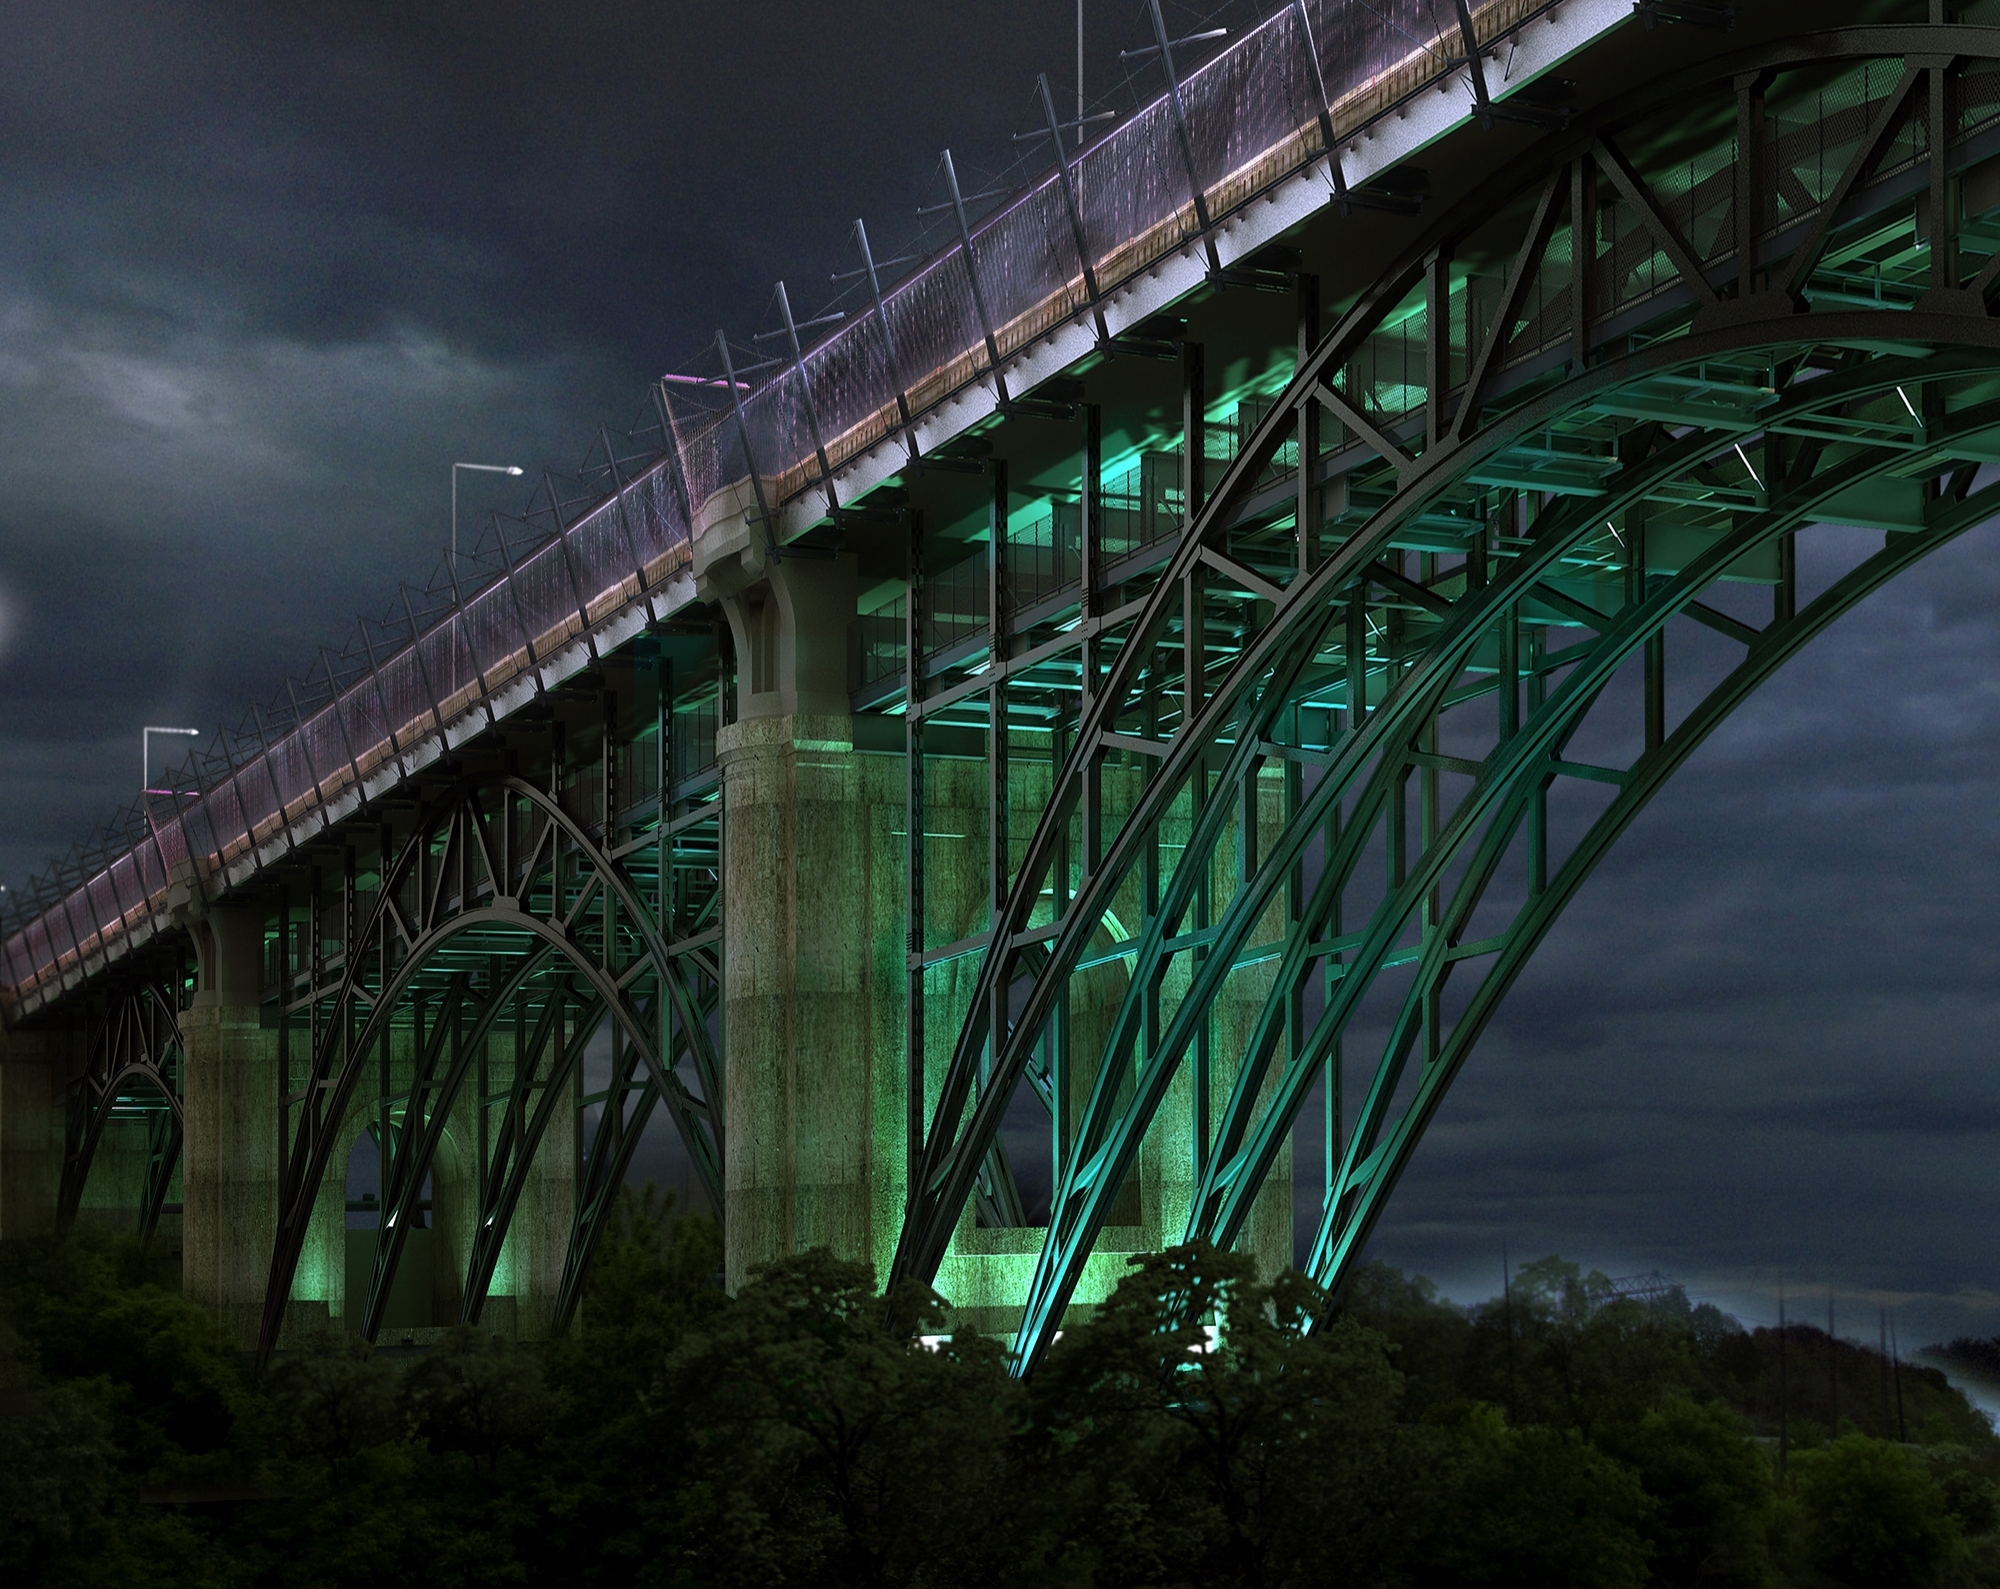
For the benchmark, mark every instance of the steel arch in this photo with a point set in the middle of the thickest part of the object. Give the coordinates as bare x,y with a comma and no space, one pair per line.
1822,420
493,860
137,1041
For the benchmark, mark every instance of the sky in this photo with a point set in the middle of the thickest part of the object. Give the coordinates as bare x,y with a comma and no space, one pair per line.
266,271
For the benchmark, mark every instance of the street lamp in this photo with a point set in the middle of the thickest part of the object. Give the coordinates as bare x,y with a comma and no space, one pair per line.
146,754
483,468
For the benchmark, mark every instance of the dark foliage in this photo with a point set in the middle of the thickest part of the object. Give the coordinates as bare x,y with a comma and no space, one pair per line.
1205,1426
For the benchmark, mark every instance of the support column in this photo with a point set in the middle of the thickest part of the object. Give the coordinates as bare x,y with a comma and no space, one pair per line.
812,928
230,1158
31,1130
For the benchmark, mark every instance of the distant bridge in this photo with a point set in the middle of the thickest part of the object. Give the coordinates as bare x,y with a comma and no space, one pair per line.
1139,689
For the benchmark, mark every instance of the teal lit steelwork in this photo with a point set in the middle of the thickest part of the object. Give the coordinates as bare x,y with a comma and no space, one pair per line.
1358,736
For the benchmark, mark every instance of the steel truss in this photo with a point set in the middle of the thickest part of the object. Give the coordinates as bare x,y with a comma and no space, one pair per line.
132,1066
498,912
1373,724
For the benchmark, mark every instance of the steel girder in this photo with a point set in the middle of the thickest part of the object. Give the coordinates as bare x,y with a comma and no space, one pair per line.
1586,411
498,907
132,1064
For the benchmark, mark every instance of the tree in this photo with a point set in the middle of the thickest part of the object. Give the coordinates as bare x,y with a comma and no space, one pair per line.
1535,1508
1213,1437
479,1397
334,1399
1876,1519
54,1450
1711,1493
818,1446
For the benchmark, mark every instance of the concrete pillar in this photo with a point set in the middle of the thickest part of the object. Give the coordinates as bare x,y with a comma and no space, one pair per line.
230,1096
813,940
813,1118
32,1072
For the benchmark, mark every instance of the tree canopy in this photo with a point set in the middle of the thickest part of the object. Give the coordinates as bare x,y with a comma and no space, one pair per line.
1204,1426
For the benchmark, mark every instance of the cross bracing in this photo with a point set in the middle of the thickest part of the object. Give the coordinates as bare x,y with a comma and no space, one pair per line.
1249,745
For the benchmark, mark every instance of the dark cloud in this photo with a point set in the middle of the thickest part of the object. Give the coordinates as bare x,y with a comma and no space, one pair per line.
266,270
1761,1046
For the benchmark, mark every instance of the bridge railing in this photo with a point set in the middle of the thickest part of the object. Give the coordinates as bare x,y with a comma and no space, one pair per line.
394,706
1242,122
1252,119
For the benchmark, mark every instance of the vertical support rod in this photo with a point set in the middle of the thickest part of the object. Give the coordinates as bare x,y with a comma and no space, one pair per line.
1309,503
1538,815
1437,341
1194,490
1749,179
1944,212
1090,507
915,1102
1583,259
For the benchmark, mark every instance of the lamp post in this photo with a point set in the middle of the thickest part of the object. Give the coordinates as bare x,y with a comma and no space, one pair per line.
146,754
483,468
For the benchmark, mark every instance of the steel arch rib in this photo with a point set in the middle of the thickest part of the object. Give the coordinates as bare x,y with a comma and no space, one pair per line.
954,1144
1339,1240
1517,758
1233,1178
943,1188
134,1042
945,1169
407,1167
343,1052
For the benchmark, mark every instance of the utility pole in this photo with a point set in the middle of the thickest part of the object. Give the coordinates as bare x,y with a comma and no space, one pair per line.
1784,1392
1832,1374
1882,1362
1896,1372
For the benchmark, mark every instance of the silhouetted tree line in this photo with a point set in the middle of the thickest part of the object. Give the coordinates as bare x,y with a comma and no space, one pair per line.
1194,1432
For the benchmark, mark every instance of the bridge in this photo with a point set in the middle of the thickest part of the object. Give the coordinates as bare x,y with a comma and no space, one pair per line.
996,770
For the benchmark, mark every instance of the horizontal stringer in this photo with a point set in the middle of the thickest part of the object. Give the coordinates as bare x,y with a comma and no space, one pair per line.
447,988
1329,787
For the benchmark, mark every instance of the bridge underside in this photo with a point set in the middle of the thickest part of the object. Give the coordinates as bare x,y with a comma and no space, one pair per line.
996,867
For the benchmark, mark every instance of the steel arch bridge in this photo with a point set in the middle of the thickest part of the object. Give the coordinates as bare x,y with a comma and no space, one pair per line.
1360,740
1174,715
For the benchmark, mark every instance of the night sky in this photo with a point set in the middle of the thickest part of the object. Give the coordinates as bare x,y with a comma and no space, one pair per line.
265,271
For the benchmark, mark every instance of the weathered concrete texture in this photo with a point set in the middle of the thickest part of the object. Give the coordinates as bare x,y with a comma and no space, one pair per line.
31,1130
117,1181
229,1100
230,1163
805,1006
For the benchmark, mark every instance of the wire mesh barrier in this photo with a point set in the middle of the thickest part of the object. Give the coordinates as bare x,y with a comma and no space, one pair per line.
1245,120
1142,505
1044,556
881,643
954,605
